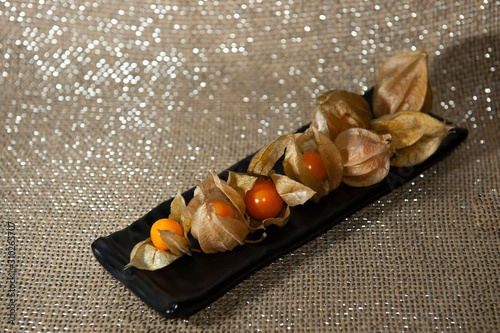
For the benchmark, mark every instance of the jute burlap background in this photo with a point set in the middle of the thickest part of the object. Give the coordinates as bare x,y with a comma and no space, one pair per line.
108,108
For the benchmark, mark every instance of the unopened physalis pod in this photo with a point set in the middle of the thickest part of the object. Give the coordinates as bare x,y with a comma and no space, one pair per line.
170,237
366,156
403,84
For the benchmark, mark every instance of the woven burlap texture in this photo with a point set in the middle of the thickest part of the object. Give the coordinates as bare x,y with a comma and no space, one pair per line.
109,108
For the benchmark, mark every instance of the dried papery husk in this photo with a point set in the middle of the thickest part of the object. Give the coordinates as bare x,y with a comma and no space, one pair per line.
241,182
294,167
180,213
414,135
264,160
217,233
403,84
321,123
176,243
365,155
292,192
342,110
146,256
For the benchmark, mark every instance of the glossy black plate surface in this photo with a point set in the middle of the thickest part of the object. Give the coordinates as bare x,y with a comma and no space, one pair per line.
190,283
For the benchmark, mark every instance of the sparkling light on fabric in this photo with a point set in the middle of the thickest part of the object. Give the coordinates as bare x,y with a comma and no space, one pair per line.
109,108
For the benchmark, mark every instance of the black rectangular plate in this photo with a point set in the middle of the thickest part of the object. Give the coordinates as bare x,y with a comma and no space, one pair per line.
190,283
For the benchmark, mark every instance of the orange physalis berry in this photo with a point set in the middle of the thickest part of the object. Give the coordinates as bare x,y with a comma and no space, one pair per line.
315,165
164,224
263,201
222,208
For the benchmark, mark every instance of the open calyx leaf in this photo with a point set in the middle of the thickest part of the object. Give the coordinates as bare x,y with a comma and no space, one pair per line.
265,159
403,84
292,192
414,135
146,256
180,213
241,182
178,245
